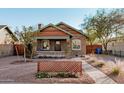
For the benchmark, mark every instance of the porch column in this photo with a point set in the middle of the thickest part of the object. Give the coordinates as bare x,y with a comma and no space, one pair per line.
35,46
68,42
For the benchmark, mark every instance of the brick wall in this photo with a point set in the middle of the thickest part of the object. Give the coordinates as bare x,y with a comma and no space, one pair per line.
59,66
83,46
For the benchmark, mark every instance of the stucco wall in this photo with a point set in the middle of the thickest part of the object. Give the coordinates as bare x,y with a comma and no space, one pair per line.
118,46
5,37
6,50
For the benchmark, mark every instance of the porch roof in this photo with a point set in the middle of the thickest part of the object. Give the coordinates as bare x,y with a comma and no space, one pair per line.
53,37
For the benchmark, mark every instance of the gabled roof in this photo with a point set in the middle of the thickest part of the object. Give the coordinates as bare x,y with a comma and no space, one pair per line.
62,23
2,26
52,25
9,31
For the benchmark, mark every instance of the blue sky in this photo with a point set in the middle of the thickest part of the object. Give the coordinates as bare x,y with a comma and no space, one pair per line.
32,16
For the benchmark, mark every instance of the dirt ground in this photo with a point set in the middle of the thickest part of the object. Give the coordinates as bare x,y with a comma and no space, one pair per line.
25,73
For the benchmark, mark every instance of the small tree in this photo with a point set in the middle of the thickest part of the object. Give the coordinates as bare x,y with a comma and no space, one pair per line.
26,38
105,24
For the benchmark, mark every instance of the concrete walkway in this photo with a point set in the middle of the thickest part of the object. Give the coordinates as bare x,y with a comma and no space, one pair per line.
97,75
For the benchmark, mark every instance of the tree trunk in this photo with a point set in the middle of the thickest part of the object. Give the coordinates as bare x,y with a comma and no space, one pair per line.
31,55
17,52
92,51
24,54
105,48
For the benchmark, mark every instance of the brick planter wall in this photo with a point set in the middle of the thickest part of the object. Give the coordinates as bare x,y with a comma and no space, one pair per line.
60,66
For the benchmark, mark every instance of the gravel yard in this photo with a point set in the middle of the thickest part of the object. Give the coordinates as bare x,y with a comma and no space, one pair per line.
25,73
110,62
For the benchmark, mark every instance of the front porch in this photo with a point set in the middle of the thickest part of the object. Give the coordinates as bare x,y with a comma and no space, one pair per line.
52,47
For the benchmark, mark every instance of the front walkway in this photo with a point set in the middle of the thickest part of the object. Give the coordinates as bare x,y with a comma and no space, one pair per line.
97,75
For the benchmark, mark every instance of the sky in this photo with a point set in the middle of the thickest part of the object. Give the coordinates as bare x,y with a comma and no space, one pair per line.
18,17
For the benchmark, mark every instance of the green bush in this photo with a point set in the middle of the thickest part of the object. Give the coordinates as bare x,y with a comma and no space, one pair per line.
65,75
115,71
61,74
57,75
42,75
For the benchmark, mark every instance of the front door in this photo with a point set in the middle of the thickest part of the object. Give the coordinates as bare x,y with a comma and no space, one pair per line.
57,45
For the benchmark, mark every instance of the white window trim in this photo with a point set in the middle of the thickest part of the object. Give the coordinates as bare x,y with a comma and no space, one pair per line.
48,44
80,44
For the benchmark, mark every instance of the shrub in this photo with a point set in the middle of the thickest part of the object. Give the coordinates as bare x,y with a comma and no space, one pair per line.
57,75
115,71
100,64
65,75
42,75
61,74
91,61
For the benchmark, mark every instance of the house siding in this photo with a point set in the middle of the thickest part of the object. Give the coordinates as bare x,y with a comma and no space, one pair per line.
50,31
68,29
5,37
6,45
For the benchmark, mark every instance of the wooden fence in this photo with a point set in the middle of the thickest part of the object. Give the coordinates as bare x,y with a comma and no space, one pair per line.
19,49
92,48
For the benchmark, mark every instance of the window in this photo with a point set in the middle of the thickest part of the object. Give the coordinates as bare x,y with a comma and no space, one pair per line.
76,44
46,45
58,42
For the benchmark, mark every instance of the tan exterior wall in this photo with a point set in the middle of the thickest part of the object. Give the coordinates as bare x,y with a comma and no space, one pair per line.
117,46
6,50
5,37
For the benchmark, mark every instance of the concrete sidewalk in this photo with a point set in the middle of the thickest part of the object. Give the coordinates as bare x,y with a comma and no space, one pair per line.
97,75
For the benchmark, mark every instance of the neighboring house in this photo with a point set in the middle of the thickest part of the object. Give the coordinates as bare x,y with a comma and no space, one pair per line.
60,40
7,39
117,46
6,35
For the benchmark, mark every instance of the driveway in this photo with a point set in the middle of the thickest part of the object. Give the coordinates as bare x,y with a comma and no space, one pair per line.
15,72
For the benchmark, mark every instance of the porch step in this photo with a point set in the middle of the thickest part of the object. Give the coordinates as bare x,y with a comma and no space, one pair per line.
51,54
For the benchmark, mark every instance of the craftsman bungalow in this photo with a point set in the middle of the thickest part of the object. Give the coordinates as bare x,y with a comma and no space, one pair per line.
60,40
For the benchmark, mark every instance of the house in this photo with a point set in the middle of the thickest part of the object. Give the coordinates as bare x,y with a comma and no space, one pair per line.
6,35
60,40
117,46
7,38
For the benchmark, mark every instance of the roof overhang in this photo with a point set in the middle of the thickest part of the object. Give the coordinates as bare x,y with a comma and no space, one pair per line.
10,32
81,32
52,37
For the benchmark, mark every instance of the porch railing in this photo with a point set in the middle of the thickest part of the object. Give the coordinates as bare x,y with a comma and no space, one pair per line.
54,54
